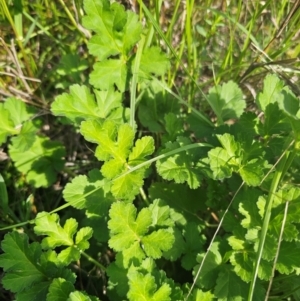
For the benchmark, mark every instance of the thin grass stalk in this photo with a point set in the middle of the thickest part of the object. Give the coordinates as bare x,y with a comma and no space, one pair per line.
161,34
18,38
173,73
250,26
133,85
211,243
43,29
229,58
290,20
189,40
174,19
18,22
132,169
285,162
82,31
278,250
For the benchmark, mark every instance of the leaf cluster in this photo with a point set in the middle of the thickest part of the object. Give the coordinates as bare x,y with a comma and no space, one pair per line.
34,155
35,271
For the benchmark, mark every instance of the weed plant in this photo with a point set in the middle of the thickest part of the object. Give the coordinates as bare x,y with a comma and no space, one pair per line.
149,150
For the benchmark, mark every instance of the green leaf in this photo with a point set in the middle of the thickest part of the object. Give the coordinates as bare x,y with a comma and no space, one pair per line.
132,31
193,245
253,172
82,237
68,255
19,261
181,167
288,259
102,46
198,126
243,264
174,126
13,113
26,137
108,107
178,246
18,110
271,92
230,145
129,233
218,160
119,151
36,292
108,101
134,254
143,147
7,126
230,287
90,130
114,148
114,144
90,192
3,196
108,73
235,243
183,202
247,125
59,290
118,281
275,121
127,187
48,224
101,20
28,270
210,268
41,162
117,31
160,214
80,296
96,8
290,103
153,61
79,104
158,242
143,287
227,101
236,157
247,200
125,226
199,295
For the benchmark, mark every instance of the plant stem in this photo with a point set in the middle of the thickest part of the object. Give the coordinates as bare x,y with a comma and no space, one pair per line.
134,81
283,166
95,262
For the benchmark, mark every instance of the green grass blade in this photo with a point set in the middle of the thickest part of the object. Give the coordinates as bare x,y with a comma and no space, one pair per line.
3,196
284,162
148,162
163,156
133,85
41,27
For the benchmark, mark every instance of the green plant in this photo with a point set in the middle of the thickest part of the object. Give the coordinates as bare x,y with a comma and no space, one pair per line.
153,223
34,155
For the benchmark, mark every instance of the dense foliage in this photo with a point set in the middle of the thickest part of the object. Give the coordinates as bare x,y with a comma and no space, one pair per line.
181,203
